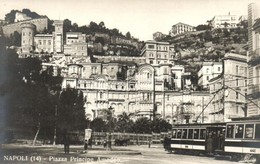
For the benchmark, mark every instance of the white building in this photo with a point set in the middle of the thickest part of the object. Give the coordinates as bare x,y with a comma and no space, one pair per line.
230,101
181,28
158,52
208,71
253,59
225,21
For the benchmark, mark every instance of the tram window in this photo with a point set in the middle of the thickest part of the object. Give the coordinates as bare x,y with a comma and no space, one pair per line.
196,133
239,130
190,133
202,133
230,131
249,130
184,133
174,133
257,131
179,133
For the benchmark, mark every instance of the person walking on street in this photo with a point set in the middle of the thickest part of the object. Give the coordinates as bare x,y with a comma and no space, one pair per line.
66,141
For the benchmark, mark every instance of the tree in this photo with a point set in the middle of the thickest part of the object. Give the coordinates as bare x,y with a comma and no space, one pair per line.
71,113
75,27
225,24
142,125
93,26
98,125
207,36
31,14
203,27
102,25
15,39
159,125
10,17
124,122
128,35
66,25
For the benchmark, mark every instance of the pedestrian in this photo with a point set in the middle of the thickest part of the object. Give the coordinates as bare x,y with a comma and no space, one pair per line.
149,144
86,145
105,143
210,144
66,142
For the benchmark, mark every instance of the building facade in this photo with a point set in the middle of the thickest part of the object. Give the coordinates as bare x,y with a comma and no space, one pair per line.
43,43
181,28
208,71
229,89
134,89
157,53
253,60
225,21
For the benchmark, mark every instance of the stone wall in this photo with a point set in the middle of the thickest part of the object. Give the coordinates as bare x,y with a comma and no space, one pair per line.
40,24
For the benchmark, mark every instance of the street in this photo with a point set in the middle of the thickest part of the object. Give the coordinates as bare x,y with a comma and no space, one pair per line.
98,155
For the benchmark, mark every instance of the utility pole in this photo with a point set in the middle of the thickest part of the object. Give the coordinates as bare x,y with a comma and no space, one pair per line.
223,98
109,112
55,125
202,115
154,103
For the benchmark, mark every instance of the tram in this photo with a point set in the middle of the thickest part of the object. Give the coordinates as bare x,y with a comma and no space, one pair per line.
236,139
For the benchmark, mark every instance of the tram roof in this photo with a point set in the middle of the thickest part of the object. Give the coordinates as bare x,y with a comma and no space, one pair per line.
219,124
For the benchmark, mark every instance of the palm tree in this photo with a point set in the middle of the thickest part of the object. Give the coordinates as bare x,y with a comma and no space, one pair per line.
124,122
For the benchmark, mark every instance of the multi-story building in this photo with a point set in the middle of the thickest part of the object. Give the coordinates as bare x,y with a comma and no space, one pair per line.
181,28
208,71
133,88
58,36
225,21
253,60
229,89
128,84
158,52
43,43
27,41
75,37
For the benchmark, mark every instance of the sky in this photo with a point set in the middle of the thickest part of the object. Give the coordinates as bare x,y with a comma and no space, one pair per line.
140,17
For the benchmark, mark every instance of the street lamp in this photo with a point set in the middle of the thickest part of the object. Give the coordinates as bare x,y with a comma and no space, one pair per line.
109,112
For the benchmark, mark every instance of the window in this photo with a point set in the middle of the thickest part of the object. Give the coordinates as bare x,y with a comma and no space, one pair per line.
237,82
196,133
184,133
207,77
249,130
202,133
236,95
218,68
101,95
239,130
190,133
168,97
237,69
174,134
230,131
179,133
257,131
151,46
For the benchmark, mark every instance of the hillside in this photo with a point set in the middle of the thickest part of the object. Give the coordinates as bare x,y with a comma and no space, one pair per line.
193,48
103,41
